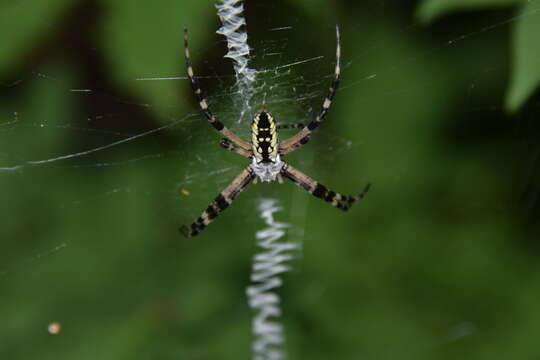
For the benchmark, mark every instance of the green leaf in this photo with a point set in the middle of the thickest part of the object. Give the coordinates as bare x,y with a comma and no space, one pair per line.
430,10
23,24
144,39
526,57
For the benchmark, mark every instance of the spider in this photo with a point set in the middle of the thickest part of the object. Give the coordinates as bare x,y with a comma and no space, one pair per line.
265,151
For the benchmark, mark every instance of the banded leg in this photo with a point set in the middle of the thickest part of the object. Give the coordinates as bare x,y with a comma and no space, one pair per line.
218,125
290,126
220,203
296,141
227,144
337,200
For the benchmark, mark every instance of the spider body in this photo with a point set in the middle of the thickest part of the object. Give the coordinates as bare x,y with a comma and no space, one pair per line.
266,162
264,137
265,151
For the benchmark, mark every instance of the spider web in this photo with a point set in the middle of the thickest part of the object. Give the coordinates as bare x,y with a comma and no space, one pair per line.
289,83
92,172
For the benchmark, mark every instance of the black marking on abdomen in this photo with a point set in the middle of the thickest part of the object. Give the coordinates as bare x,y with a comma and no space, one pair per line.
265,144
264,120
264,137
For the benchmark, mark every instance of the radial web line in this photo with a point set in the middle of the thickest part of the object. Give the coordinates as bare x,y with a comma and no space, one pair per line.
230,13
267,265
90,151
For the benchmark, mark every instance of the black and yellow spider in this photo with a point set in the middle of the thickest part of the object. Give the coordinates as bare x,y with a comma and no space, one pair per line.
265,152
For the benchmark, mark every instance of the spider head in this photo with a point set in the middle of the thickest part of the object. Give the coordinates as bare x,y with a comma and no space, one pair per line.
264,138
267,171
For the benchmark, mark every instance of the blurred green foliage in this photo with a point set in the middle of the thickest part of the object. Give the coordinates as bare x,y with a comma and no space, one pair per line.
526,56
429,10
526,49
24,24
439,262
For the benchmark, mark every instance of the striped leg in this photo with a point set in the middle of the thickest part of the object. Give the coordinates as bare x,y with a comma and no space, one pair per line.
290,126
220,203
342,202
218,125
227,144
297,140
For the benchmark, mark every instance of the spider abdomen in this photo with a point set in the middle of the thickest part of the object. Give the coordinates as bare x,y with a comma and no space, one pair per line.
264,138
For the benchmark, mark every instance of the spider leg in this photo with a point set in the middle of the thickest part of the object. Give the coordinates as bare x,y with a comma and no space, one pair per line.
337,200
227,144
218,125
220,203
296,141
290,126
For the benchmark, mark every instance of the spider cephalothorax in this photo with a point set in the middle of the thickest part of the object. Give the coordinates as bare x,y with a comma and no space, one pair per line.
265,152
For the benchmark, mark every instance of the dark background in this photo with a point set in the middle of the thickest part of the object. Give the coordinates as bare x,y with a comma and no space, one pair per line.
440,261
